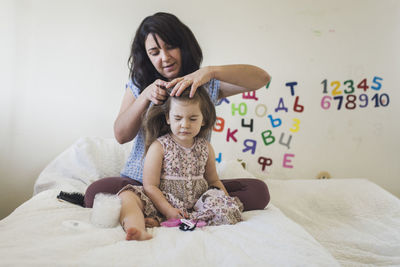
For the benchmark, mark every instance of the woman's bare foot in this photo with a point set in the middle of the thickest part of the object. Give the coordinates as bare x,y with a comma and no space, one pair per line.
133,233
151,222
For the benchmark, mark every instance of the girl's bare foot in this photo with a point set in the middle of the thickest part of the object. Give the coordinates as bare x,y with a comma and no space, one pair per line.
133,233
151,222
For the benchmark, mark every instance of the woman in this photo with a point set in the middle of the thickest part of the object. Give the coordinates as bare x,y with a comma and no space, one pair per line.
166,55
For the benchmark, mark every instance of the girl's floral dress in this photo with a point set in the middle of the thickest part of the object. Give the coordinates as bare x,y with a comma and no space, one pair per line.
184,186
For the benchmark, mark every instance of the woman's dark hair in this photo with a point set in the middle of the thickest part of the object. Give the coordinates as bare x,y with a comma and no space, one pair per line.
173,32
155,122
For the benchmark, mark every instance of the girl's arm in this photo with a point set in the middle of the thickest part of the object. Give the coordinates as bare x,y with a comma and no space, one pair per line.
151,182
234,79
211,171
129,118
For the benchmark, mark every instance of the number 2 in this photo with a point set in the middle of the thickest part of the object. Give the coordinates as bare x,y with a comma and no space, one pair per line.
336,90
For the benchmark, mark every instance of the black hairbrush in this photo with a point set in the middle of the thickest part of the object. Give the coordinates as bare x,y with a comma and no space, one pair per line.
74,198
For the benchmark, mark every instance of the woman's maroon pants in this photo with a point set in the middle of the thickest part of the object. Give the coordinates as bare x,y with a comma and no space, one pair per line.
252,192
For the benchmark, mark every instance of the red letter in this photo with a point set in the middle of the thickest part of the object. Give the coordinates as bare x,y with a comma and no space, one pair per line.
230,134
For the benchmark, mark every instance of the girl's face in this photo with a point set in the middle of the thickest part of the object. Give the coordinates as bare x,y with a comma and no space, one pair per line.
185,119
165,58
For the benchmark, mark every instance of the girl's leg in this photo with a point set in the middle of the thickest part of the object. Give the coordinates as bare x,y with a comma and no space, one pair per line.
132,218
253,193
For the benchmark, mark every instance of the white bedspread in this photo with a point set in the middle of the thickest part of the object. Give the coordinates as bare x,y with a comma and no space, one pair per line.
356,220
349,222
46,232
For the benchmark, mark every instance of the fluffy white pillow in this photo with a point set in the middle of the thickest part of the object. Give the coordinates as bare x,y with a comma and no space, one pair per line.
232,169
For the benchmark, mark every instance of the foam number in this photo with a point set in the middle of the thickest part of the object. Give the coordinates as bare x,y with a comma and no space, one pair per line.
382,100
363,98
326,102
296,126
376,81
351,102
349,87
363,85
325,83
336,86
340,101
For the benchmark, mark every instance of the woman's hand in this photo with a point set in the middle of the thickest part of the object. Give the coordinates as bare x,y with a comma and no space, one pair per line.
156,92
175,213
194,79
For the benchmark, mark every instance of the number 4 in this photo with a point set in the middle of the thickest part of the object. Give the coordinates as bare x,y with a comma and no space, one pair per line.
363,85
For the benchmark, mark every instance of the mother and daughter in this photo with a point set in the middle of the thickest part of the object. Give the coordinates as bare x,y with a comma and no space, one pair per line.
168,111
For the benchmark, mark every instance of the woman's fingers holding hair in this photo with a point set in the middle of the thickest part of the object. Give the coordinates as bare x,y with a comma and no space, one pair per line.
181,86
161,83
193,89
161,93
157,92
172,84
158,97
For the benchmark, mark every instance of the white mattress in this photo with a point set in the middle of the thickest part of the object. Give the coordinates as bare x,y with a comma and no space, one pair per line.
46,232
349,222
357,221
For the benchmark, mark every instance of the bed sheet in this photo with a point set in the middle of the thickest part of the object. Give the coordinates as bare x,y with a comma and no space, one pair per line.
46,232
357,221
352,221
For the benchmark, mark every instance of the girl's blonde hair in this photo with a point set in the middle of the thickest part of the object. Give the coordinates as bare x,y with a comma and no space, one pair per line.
155,123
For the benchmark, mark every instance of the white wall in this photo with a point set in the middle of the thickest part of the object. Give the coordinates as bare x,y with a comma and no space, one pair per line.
63,70
307,42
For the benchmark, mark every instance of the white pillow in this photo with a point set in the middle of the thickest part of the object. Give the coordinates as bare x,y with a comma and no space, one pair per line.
87,160
232,169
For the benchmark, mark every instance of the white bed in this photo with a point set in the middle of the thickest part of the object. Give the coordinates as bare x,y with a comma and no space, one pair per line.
349,222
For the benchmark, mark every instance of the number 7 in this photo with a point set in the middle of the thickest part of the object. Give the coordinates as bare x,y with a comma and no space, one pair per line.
340,101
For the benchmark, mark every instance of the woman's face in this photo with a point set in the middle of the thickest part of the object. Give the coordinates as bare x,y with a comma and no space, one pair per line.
165,58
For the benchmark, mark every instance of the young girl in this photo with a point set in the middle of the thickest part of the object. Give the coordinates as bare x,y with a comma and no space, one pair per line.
165,53
179,176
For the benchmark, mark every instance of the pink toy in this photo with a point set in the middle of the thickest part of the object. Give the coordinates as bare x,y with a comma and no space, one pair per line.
177,222
171,223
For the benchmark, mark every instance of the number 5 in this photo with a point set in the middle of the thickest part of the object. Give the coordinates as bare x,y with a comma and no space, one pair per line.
376,81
